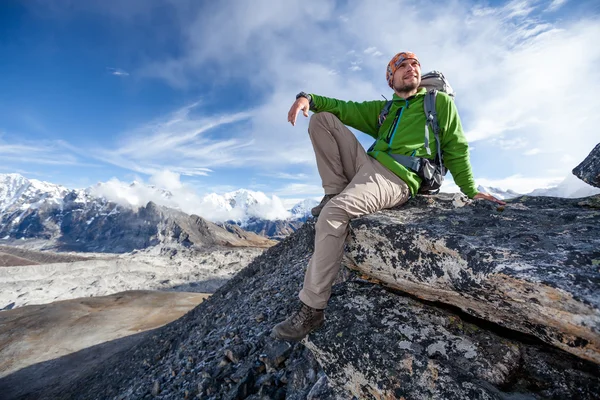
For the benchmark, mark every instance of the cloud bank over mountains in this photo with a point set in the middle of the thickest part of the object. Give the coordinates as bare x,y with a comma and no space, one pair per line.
167,190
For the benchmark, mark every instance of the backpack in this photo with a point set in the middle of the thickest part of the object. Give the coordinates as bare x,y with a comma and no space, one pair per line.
431,173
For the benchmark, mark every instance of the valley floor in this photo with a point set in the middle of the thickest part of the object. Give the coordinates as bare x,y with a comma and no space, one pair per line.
190,271
61,319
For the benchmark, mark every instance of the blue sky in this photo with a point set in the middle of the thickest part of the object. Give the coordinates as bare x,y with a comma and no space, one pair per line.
196,93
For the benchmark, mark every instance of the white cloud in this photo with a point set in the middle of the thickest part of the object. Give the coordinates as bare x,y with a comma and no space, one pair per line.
43,153
570,187
449,187
555,5
167,180
117,72
283,175
532,152
300,190
510,144
182,143
166,189
373,51
134,195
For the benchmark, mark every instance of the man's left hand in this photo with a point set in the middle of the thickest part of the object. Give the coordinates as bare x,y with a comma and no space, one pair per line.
489,197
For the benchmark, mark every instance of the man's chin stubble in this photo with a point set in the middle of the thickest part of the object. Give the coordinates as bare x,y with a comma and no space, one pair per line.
406,88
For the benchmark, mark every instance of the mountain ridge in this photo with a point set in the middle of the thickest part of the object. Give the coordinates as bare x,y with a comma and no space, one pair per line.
76,220
249,210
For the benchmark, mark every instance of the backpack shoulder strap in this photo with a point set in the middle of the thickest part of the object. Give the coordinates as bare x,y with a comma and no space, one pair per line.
384,113
432,121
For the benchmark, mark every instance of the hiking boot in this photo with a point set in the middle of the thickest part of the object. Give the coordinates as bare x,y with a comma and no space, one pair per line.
317,210
300,324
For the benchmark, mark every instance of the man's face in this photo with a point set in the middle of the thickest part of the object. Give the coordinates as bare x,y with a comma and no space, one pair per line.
408,76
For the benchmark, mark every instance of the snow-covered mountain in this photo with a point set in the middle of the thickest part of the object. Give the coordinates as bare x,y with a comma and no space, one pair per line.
301,211
17,192
79,220
243,205
256,212
499,193
570,187
21,197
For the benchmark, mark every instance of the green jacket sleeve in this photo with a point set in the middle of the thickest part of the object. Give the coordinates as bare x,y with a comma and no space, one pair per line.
455,148
361,116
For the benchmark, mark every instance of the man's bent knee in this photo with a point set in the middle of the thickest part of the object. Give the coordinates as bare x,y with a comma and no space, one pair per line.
322,118
333,220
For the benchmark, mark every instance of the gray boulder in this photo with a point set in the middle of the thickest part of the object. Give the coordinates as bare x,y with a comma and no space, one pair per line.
589,169
532,266
382,345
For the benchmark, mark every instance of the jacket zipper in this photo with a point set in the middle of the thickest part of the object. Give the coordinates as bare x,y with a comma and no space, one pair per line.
397,121
393,126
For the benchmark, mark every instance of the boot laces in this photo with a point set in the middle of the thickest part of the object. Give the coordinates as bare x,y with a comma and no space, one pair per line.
302,316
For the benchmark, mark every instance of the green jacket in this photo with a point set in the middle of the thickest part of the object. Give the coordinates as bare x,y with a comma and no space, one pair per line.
409,137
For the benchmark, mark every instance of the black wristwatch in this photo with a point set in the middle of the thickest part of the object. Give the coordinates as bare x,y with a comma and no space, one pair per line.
307,97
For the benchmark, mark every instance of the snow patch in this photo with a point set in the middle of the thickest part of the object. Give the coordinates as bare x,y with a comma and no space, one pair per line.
571,187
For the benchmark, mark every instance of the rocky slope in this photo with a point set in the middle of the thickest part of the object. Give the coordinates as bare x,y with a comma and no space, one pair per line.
378,342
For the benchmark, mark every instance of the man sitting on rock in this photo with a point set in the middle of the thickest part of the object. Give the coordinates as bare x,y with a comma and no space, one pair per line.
357,183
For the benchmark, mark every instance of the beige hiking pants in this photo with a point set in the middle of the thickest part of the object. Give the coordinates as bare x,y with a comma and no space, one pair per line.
364,186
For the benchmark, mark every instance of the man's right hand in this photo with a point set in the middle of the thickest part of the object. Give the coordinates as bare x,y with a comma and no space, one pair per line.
301,103
489,197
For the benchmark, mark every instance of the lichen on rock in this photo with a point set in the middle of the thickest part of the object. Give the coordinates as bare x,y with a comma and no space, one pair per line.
528,268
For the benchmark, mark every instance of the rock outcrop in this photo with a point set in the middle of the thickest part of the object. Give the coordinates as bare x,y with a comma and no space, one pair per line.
378,342
382,345
531,266
589,169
